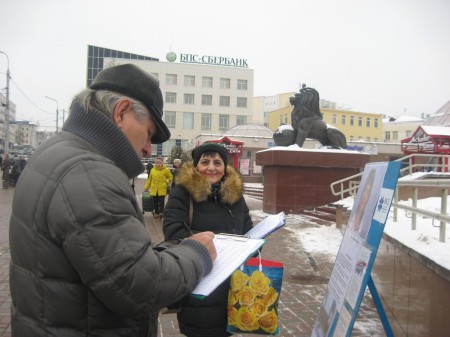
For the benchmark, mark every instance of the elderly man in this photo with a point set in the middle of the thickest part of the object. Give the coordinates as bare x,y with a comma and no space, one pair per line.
82,261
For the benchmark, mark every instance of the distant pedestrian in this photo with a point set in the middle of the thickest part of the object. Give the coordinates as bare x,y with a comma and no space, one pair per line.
6,166
175,169
158,182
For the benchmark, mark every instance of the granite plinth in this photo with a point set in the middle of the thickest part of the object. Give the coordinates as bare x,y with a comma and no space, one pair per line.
298,180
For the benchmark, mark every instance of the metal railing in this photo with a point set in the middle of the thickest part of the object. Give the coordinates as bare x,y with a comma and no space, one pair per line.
348,187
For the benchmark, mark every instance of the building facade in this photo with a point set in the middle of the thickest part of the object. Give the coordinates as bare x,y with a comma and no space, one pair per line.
199,98
396,129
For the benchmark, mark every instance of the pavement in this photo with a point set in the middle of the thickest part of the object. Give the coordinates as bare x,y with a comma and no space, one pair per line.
304,283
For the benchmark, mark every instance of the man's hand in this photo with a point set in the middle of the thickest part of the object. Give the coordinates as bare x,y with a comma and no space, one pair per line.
206,239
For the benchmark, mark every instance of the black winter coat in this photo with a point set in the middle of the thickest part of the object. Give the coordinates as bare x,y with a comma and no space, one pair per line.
220,210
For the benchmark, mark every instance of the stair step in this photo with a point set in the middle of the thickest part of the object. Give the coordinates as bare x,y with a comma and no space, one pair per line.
315,220
321,215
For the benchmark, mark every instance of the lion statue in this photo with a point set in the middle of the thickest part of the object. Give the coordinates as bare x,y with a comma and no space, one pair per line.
307,122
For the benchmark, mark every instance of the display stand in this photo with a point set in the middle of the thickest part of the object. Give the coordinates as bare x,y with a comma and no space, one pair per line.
352,269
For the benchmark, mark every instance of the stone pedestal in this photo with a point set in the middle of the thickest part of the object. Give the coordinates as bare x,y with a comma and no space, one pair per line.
296,180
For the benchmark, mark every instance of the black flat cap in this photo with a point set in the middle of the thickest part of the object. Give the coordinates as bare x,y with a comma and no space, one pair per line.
131,81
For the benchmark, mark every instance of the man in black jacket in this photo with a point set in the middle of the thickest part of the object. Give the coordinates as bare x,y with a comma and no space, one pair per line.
82,260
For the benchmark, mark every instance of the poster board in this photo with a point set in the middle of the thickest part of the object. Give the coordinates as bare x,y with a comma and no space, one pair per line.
354,261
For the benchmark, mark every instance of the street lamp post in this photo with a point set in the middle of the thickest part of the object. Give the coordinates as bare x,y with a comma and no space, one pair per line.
57,111
6,145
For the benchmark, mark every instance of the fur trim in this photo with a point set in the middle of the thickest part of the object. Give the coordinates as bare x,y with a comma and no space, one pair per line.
200,189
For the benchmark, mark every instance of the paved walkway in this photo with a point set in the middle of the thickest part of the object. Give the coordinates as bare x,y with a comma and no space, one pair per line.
304,283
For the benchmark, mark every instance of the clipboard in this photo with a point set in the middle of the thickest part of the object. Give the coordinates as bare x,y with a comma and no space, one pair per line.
232,251
267,226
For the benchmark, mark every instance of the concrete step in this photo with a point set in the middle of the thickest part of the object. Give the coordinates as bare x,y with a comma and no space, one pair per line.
317,213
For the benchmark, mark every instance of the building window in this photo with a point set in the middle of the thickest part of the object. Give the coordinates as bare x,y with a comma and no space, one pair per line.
241,102
225,83
394,135
334,119
224,122
281,120
241,120
360,121
171,79
368,122
170,118
352,120
387,135
368,139
207,82
224,101
285,119
344,119
242,84
171,97
206,121
408,133
375,122
206,99
188,98
189,81
188,120
351,138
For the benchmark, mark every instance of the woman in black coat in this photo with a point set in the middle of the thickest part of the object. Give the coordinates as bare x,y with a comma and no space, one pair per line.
213,193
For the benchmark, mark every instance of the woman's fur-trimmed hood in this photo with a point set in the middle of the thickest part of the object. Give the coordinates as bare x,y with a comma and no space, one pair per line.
198,186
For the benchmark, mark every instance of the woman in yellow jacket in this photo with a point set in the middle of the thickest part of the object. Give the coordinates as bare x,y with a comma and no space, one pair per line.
158,181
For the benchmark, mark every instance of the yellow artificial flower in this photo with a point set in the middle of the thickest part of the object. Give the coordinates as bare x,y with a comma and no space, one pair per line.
246,320
233,297
246,296
271,297
232,312
259,308
259,282
238,280
269,322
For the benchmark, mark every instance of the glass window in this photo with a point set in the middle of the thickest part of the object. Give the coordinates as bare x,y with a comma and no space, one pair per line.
368,139
242,84
206,99
241,120
408,133
170,118
285,119
189,81
351,138
188,98
334,119
224,101
224,122
375,122
207,82
394,135
368,122
206,121
360,121
225,83
387,135
171,79
344,119
281,119
171,97
241,102
188,120
352,120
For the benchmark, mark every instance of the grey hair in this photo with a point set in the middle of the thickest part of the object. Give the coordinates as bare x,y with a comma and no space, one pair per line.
177,160
105,101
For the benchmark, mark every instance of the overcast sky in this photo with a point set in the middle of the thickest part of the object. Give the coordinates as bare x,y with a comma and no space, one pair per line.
382,56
